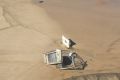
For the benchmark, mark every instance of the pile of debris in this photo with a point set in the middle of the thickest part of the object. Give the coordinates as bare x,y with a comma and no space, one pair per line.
65,59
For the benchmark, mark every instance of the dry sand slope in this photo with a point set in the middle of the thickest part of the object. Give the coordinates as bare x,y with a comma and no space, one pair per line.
26,31
94,25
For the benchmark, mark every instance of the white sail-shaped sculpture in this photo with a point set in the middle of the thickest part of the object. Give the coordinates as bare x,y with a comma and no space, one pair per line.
67,42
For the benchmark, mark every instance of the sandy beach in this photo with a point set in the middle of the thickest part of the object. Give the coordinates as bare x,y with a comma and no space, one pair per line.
29,28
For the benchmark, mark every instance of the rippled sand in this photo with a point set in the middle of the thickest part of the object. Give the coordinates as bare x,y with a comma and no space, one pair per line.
103,76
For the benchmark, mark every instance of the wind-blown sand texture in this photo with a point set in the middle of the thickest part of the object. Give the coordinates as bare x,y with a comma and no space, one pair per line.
103,76
29,28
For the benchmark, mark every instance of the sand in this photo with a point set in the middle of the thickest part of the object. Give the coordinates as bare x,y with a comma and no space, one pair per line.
29,28
103,76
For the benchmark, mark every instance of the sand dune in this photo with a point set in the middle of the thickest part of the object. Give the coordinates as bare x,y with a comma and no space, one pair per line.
26,32
95,27
29,28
